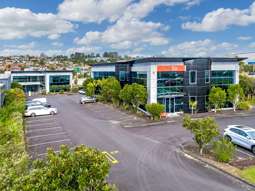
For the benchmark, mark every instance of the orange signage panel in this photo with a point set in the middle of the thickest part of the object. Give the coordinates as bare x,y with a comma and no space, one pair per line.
171,68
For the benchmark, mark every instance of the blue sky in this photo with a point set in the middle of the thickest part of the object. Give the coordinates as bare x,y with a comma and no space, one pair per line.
132,27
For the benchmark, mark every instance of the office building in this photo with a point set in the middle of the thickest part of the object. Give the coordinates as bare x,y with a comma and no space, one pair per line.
174,81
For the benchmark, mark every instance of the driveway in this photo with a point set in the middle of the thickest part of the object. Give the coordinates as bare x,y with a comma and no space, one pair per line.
144,159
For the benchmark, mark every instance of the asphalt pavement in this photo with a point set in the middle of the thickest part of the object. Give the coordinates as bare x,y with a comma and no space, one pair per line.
143,159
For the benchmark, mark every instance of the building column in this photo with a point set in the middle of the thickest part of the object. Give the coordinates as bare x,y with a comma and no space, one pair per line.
47,83
237,74
152,83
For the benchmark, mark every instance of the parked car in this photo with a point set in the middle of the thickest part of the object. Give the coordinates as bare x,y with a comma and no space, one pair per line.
82,92
241,135
87,99
40,110
36,103
43,99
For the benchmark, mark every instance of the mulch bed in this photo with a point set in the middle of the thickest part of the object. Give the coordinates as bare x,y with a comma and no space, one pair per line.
238,163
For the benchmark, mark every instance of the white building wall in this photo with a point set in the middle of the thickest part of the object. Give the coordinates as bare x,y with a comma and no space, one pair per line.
104,68
152,83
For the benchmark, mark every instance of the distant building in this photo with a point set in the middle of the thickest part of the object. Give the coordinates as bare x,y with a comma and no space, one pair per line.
5,84
249,55
39,81
173,82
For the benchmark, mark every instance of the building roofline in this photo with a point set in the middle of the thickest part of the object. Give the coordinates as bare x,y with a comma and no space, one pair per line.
41,71
172,59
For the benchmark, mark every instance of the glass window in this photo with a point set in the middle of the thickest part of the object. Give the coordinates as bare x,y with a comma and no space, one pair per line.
122,76
207,76
170,83
60,80
192,77
222,78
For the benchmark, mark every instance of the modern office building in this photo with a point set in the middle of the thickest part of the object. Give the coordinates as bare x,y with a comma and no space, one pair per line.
174,81
39,81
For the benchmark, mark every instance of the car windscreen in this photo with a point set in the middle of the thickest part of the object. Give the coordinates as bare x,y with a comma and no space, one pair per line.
251,134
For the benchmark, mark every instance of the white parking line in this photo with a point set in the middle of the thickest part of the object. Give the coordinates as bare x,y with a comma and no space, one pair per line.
246,153
39,136
41,124
40,118
49,142
40,121
42,129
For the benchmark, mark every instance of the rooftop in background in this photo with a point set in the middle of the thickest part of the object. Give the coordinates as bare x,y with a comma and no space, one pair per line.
175,59
42,71
5,75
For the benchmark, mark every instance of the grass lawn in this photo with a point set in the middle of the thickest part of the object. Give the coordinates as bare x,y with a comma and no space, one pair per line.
248,174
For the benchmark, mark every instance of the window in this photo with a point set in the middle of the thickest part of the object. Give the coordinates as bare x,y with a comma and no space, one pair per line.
122,76
207,76
193,77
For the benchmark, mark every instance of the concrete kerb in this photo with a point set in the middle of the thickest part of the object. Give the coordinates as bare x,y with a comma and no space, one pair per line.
214,167
148,124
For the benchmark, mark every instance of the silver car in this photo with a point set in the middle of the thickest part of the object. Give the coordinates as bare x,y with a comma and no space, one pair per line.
87,99
241,135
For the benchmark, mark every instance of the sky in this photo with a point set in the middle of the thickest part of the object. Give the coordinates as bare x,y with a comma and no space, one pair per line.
130,27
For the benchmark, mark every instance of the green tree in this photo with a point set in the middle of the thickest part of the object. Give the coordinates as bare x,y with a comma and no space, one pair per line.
204,130
193,106
86,82
134,95
235,94
155,109
82,169
247,84
217,98
223,150
16,85
110,89
91,88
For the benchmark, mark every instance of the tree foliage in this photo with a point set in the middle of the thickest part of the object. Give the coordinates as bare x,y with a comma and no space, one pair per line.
235,94
16,85
193,106
223,150
133,95
247,84
110,89
204,130
155,109
217,98
82,169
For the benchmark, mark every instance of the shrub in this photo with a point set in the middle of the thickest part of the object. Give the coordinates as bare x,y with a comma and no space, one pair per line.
244,105
155,109
223,150
16,85
82,169
75,89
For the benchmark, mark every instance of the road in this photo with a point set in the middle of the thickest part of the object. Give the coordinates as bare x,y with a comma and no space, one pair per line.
148,158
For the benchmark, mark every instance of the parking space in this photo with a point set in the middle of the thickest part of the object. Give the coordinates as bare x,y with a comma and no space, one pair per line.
114,115
44,132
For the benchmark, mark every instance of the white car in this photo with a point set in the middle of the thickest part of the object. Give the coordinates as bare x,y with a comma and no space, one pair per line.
241,135
82,92
87,99
40,110
42,100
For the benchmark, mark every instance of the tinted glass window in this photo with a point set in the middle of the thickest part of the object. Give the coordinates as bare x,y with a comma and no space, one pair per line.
207,76
193,77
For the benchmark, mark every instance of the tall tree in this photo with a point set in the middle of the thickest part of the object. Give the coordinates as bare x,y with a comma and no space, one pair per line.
235,93
217,98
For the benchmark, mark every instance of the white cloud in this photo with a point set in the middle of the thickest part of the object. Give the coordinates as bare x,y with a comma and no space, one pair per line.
119,36
244,38
201,48
252,45
57,44
92,10
18,23
221,19
22,46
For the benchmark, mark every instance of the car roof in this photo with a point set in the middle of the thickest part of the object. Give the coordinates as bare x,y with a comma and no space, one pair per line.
242,127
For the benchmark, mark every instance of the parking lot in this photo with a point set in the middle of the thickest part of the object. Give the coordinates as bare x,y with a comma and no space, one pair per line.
44,132
143,158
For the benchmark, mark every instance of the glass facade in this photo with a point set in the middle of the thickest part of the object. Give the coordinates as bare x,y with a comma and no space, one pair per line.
100,75
40,79
170,83
60,80
140,78
222,78
172,104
